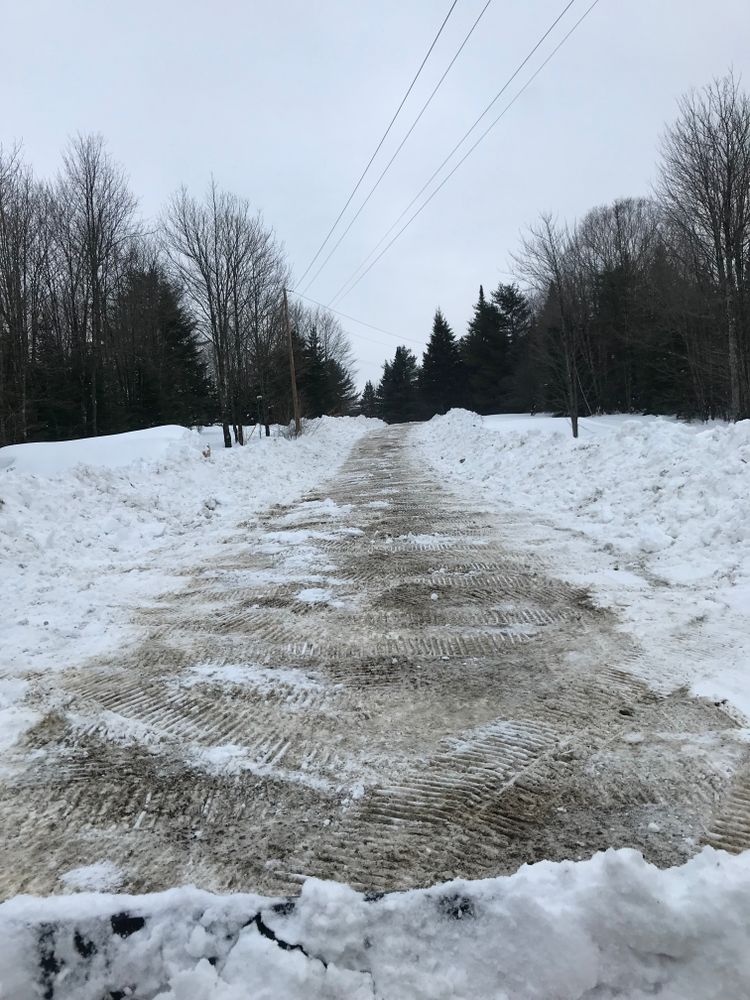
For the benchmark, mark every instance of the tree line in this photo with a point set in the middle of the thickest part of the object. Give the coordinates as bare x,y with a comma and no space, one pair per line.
108,326
641,306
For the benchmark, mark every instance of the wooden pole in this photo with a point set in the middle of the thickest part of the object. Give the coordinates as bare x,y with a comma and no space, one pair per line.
292,370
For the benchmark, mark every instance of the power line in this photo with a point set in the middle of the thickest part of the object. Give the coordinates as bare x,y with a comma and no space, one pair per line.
361,322
382,140
344,289
401,145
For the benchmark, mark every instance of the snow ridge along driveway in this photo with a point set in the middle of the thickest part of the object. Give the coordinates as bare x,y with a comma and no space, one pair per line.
374,686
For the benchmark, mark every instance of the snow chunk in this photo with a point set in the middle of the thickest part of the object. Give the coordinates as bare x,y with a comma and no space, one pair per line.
104,876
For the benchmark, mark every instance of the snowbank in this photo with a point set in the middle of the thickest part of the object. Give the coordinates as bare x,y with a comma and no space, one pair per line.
653,489
91,529
111,451
613,926
651,512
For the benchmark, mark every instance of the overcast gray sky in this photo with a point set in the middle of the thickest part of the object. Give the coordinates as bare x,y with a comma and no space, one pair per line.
284,102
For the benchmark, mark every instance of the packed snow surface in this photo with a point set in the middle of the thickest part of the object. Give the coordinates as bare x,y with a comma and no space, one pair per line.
650,513
612,926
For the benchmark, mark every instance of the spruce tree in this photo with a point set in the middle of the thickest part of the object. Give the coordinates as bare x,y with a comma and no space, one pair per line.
515,318
397,392
157,372
368,404
313,378
441,379
341,393
484,351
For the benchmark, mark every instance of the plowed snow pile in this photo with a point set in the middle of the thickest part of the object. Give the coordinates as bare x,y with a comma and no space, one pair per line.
648,512
609,927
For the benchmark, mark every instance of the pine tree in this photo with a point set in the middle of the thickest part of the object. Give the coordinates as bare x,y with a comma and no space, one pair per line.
368,404
397,393
484,351
442,376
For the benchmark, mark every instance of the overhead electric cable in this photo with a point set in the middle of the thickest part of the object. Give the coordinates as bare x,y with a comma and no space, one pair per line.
382,140
401,145
472,148
361,322
351,282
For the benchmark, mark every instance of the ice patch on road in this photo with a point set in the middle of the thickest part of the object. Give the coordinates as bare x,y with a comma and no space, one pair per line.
251,675
315,595
325,595
230,758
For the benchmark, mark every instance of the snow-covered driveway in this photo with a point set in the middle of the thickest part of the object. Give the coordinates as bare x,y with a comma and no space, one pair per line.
375,685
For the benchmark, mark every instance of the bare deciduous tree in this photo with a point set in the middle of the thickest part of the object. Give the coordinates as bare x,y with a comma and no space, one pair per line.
705,190
547,260
22,255
95,224
233,271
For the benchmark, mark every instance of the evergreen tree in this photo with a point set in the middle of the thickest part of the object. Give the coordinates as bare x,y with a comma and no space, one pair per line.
185,394
515,319
325,383
156,372
397,393
368,404
313,377
484,351
342,395
441,378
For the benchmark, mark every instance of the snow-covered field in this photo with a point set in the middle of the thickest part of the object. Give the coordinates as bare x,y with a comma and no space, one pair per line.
648,513
651,514
87,528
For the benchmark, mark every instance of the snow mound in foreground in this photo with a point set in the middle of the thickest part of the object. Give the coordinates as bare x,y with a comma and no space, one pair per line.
613,926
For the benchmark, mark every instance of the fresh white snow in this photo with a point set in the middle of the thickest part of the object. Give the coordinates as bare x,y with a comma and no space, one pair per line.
612,926
650,513
111,451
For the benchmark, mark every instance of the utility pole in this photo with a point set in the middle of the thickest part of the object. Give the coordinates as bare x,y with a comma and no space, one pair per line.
292,371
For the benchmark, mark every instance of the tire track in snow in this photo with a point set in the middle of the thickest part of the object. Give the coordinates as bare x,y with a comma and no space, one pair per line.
305,705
